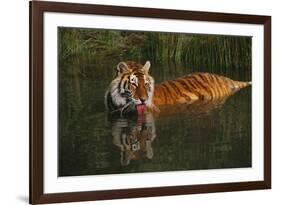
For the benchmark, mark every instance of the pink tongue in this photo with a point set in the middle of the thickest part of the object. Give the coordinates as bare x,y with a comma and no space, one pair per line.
140,109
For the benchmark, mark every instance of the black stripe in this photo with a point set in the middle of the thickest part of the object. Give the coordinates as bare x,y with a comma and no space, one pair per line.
119,85
163,90
186,86
190,83
203,77
196,82
201,83
169,92
183,83
175,87
218,84
125,84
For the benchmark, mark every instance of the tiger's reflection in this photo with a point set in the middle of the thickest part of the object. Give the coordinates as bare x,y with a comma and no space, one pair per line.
134,137
134,134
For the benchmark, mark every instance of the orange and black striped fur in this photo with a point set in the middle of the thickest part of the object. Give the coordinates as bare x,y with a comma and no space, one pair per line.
195,86
133,86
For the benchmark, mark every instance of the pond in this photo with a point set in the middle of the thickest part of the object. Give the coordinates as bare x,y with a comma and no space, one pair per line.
206,135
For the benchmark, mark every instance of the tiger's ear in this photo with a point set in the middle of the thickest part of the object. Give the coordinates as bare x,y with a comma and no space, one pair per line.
121,68
146,66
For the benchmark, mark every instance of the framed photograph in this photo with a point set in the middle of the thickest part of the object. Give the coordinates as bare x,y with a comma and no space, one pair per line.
139,102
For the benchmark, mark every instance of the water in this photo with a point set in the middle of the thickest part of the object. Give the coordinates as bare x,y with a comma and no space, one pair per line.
212,135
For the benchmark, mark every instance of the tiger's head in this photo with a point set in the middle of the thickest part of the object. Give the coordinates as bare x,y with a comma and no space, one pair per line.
131,90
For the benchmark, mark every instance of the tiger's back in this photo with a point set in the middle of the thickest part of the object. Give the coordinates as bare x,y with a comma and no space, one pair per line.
195,86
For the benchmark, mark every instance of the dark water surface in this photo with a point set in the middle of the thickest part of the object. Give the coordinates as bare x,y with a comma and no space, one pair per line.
204,136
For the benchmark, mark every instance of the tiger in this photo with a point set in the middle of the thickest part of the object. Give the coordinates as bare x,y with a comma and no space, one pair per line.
133,90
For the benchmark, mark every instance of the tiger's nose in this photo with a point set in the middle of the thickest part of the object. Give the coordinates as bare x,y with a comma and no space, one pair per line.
142,100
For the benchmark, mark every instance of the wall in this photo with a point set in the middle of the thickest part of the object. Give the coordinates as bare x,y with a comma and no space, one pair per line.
14,101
